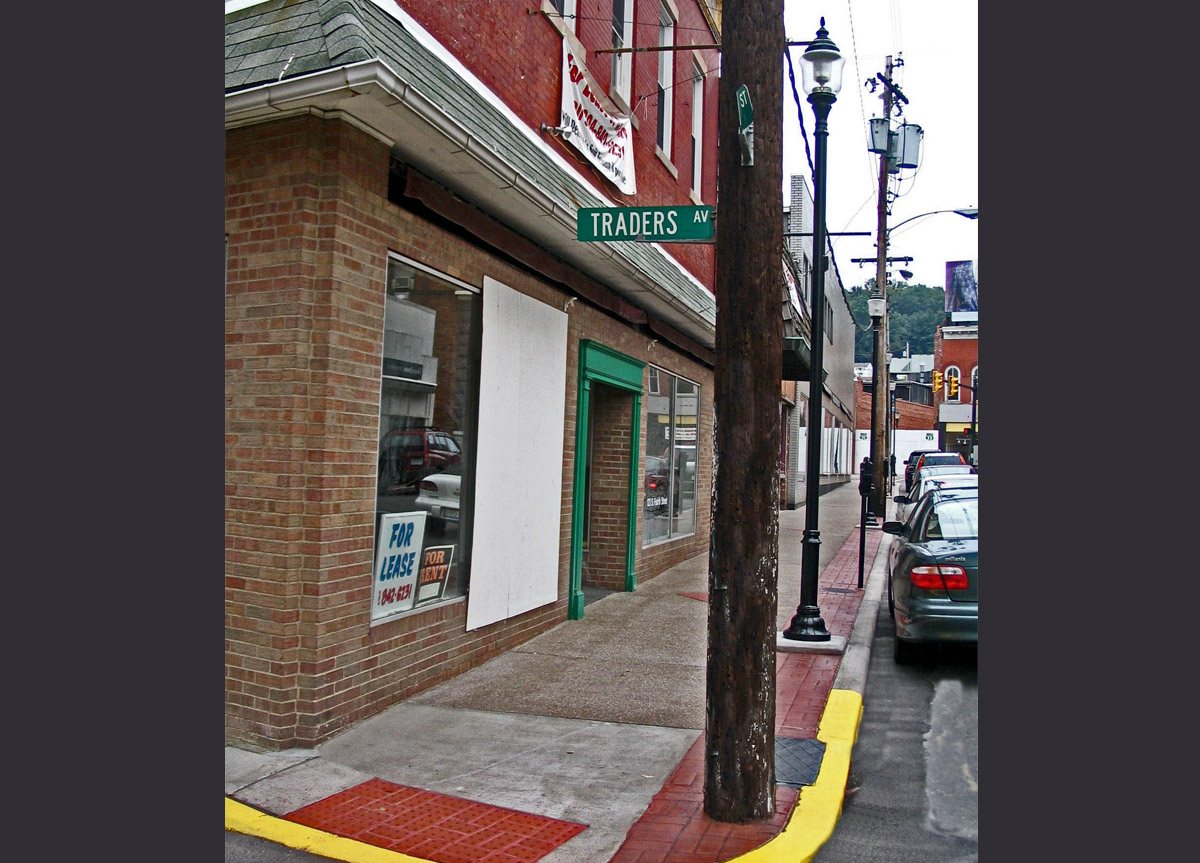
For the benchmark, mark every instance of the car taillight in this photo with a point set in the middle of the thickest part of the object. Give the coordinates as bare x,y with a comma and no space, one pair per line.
426,485
939,577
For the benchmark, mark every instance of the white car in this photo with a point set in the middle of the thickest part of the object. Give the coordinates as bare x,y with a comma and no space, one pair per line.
438,495
930,478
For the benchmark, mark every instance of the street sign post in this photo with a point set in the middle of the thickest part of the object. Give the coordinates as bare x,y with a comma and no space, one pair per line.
646,224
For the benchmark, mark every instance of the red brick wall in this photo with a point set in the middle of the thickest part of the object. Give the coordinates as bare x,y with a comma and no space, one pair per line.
912,415
309,229
519,57
611,412
963,353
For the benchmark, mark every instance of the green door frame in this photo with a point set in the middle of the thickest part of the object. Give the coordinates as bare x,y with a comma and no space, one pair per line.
598,363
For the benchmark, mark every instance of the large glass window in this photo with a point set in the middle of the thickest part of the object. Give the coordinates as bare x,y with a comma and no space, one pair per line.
666,74
622,37
697,128
426,460
669,493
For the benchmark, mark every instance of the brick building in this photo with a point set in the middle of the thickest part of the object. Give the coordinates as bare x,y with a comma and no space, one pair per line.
406,297
956,356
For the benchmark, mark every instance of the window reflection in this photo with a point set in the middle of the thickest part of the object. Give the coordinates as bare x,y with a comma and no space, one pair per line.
425,466
669,494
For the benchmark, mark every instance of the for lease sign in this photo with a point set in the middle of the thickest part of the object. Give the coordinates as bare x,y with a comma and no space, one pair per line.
393,587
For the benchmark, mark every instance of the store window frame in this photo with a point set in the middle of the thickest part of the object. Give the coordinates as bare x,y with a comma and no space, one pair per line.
676,472
470,352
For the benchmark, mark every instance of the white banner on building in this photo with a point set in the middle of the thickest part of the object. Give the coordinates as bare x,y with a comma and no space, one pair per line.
591,127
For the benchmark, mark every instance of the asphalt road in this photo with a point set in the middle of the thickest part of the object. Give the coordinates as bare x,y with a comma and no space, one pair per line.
913,791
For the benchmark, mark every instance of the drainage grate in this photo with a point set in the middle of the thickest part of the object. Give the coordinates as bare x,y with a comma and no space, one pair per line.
797,761
840,589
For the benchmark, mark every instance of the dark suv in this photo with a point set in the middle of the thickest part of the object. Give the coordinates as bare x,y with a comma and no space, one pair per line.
407,455
910,465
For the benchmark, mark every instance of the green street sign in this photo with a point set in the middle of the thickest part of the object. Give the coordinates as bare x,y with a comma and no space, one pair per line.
745,109
646,224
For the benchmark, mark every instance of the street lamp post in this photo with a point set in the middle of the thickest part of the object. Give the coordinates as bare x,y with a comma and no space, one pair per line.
821,68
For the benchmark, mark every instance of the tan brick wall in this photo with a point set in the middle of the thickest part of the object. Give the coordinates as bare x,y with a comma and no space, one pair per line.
309,230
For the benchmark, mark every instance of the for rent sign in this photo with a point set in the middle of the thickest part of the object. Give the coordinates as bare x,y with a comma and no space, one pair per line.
592,127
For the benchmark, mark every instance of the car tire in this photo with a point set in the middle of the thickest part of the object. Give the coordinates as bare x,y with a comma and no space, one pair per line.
903,652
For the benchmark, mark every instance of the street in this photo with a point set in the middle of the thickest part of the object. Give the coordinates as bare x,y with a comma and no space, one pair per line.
913,791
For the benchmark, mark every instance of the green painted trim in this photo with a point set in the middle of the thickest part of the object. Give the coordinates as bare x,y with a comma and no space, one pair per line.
575,582
603,364
635,437
611,367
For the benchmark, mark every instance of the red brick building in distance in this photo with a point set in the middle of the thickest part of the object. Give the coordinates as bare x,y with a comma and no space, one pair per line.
956,356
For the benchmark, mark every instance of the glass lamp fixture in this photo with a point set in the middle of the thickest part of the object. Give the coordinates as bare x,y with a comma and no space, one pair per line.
821,65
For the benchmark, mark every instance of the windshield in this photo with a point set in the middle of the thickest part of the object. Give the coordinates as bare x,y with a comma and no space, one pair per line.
954,518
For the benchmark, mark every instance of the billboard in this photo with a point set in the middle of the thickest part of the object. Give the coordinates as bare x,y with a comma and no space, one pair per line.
962,286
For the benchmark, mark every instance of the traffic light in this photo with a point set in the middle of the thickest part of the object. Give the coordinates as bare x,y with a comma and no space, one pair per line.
937,382
952,387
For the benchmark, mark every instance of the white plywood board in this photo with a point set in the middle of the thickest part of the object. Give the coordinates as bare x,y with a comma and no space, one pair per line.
518,474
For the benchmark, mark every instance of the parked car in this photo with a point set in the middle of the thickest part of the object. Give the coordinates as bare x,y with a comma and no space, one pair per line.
910,465
407,455
946,476
657,484
938,457
933,571
438,495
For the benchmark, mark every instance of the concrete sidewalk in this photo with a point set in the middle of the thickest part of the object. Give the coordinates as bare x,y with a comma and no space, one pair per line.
585,744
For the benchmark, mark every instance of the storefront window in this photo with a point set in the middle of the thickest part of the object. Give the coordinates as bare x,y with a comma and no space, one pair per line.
427,403
669,498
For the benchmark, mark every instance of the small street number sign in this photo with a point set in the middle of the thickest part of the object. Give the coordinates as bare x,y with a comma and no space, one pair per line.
745,124
646,224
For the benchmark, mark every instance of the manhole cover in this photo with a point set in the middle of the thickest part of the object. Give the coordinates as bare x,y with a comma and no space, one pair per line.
797,761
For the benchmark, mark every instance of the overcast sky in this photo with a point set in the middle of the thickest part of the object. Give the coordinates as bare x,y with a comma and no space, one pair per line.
938,41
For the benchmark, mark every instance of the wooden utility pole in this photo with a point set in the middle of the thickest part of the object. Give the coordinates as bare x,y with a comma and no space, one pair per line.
739,758
879,439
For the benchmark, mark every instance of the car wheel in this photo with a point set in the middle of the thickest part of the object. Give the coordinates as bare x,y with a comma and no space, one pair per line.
903,652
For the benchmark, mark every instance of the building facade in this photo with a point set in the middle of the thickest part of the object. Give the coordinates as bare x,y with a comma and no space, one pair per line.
449,421
838,402
956,356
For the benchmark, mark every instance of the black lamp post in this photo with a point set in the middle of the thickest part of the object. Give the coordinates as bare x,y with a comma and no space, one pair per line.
821,67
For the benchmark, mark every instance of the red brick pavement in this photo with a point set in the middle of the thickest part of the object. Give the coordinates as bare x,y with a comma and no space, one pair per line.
674,828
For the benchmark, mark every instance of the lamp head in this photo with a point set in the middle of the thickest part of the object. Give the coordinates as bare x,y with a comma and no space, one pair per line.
876,306
821,64
906,274
969,212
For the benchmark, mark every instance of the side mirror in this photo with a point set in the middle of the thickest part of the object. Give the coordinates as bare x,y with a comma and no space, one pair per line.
900,498
893,527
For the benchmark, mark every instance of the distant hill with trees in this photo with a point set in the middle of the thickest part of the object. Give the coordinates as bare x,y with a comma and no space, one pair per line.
914,314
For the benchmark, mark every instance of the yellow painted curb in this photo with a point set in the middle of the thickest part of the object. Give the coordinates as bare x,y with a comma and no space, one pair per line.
820,804
240,818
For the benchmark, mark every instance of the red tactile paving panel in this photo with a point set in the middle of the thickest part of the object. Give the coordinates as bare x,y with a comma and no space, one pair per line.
435,826
701,595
